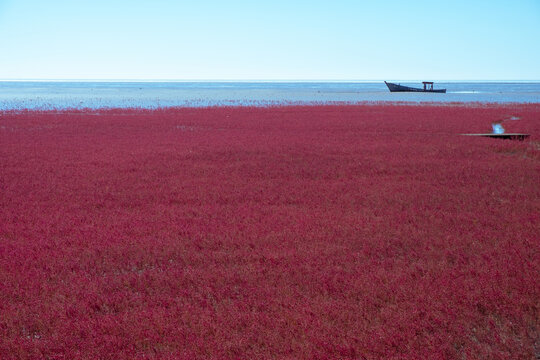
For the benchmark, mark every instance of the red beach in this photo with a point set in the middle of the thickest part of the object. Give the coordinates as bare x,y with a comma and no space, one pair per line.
365,232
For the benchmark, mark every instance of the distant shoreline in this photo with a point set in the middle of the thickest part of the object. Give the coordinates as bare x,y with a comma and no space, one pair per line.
291,106
504,81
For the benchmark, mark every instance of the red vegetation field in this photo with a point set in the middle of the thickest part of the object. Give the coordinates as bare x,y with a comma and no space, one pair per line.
288,232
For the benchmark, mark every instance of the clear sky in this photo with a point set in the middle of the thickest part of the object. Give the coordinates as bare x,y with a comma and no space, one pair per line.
278,39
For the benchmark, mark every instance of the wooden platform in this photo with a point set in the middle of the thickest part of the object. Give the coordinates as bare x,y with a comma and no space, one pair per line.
507,136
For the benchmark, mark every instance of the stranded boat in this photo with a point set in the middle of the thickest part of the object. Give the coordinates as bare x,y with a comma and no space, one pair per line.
428,87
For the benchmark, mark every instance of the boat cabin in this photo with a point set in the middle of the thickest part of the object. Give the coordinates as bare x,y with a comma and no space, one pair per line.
428,85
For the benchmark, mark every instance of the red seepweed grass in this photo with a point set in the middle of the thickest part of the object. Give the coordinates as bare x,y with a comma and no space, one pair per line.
372,231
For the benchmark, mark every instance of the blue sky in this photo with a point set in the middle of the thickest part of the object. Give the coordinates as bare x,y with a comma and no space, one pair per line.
271,40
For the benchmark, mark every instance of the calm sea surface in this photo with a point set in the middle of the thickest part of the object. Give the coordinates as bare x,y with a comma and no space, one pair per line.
84,94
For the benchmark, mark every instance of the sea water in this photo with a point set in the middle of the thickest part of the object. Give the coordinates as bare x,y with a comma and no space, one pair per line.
155,94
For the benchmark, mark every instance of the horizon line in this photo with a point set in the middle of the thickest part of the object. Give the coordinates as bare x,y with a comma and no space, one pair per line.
251,80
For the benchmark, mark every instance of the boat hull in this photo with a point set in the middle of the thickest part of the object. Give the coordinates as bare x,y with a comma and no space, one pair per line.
400,88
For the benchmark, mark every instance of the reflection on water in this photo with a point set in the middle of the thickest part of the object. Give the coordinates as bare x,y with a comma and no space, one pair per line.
72,94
